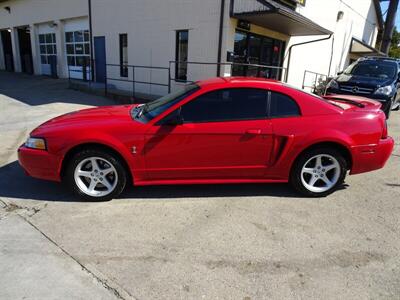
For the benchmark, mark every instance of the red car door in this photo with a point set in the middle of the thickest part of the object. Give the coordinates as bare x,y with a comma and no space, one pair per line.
225,135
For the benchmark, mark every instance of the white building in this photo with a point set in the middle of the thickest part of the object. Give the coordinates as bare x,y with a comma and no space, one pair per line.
52,37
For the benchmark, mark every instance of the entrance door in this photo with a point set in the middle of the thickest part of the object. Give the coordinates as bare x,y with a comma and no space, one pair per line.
7,49
260,50
100,58
77,44
25,50
48,53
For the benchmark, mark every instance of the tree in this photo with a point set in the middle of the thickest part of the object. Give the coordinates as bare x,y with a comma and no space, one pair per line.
394,50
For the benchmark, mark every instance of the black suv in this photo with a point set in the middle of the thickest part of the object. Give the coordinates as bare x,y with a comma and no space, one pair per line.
375,77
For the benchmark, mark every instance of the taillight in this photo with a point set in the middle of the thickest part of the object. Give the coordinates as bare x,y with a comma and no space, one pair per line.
385,130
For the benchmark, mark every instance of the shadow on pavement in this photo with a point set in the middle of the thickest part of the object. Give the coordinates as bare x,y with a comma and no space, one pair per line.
39,90
15,184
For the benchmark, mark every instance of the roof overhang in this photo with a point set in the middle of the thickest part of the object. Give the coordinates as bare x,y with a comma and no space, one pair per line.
360,48
275,16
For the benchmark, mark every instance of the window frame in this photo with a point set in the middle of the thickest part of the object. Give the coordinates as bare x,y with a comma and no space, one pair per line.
228,120
123,64
45,44
177,55
283,116
73,43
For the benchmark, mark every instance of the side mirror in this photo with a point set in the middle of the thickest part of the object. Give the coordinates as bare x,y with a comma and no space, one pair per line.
173,119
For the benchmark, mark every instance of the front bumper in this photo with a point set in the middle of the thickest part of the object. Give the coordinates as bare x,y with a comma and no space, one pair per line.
371,157
39,163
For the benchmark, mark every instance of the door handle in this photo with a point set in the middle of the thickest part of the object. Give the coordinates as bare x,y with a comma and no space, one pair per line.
253,131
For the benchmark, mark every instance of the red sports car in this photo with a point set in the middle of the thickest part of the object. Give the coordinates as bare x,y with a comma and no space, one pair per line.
222,130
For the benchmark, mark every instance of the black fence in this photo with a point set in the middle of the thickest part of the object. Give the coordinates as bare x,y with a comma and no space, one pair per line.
124,80
195,70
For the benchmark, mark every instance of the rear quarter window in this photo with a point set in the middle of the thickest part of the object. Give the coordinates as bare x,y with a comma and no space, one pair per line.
282,106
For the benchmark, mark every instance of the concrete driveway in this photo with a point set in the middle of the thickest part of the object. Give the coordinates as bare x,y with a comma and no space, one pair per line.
188,242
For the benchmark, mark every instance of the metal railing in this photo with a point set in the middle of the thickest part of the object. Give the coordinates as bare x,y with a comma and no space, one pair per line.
131,75
316,82
234,69
126,78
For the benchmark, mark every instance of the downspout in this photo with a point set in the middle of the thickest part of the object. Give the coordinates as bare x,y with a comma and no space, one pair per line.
220,35
91,40
299,44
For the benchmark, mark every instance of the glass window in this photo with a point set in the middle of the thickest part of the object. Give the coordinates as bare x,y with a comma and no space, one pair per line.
71,60
227,105
123,54
77,48
70,49
47,47
69,37
283,106
86,35
181,57
78,36
152,109
373,68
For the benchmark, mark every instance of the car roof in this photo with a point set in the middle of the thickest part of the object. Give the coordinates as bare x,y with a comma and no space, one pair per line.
236,80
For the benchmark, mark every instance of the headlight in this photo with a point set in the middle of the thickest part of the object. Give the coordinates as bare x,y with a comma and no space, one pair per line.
333,84
385,90
36,143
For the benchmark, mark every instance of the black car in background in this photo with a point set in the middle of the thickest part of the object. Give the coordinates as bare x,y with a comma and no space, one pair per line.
374,77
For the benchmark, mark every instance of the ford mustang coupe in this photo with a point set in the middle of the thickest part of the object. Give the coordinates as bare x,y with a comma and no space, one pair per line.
222,130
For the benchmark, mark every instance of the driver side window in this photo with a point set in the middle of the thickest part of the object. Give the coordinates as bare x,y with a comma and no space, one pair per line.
226,105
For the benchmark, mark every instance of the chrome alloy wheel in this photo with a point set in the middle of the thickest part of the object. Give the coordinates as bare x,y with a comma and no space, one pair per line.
320,173
95,176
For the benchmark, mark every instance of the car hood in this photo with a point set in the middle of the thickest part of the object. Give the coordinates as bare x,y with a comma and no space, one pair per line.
351,80
87,118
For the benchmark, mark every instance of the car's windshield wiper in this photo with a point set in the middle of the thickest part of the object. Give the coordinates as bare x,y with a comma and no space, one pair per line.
358,104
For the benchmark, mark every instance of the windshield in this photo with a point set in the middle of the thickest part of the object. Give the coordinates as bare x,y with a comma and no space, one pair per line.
376,69
149,111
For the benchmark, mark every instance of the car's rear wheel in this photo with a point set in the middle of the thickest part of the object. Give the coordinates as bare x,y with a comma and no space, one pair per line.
318,172
95,175
388,109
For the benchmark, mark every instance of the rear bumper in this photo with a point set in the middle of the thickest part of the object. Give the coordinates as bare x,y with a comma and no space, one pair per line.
39,163
371,157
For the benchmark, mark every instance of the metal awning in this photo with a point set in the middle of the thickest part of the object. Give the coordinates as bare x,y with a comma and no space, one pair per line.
275,16
360,48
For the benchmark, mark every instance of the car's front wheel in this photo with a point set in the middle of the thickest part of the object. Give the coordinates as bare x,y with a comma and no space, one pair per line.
95,175
318,172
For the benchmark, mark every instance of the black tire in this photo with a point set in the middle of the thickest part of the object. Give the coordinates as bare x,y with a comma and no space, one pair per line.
397,107
296,172
388,109
108,156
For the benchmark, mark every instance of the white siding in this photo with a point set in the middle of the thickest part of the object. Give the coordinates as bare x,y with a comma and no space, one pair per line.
359,21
